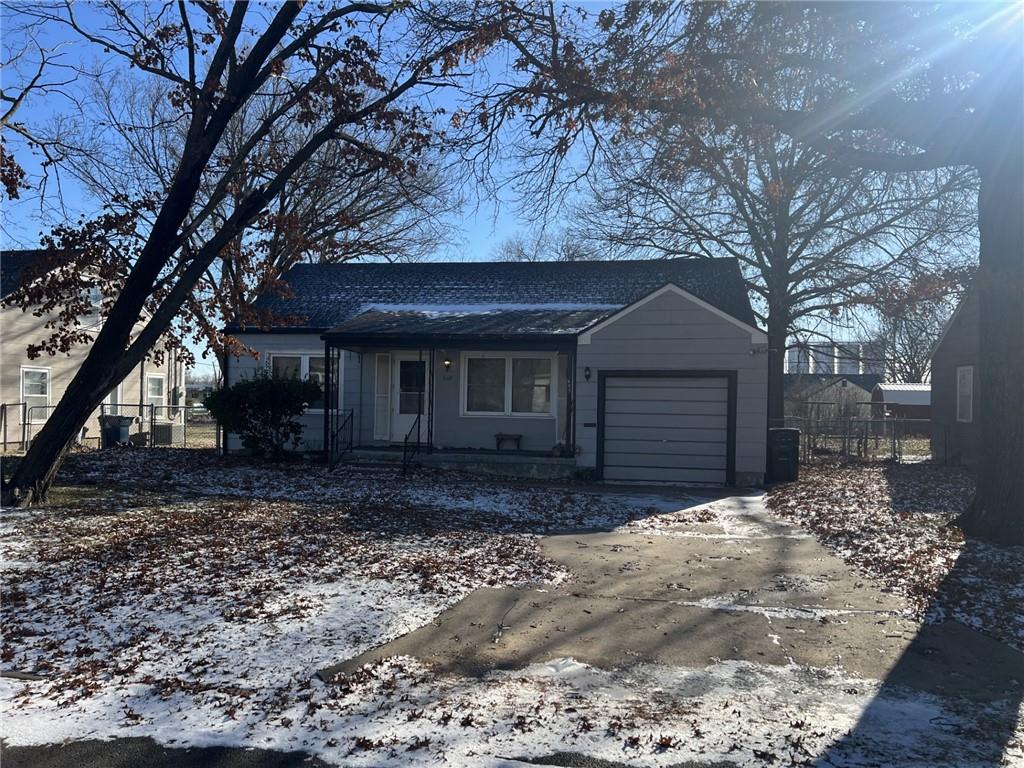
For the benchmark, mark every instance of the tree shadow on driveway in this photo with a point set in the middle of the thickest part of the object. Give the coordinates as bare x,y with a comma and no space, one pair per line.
946,663
135,752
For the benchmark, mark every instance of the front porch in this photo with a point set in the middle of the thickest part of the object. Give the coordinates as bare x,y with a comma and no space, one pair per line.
487,404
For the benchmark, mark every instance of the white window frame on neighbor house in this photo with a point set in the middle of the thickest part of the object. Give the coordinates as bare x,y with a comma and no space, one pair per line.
28,408
965,373
160,411
112,402
507,411
304,356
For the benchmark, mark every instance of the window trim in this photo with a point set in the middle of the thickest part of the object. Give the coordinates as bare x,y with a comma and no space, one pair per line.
970,415
116,393
164,412
35,369
304,356
507,413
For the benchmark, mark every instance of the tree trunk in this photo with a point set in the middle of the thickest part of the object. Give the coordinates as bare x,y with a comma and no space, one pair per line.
997,512
778,329
35,473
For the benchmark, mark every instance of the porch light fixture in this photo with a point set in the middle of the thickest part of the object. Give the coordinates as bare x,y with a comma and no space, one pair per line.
586,373
447,363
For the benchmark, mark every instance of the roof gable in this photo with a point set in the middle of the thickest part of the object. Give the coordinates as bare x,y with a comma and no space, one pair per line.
756,334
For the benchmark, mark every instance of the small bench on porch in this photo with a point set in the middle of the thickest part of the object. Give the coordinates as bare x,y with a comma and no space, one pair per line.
503,436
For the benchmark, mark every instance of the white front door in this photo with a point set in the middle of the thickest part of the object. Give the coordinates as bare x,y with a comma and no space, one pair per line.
408,396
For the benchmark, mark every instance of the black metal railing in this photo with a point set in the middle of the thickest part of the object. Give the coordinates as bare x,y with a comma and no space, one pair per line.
340,444
411,447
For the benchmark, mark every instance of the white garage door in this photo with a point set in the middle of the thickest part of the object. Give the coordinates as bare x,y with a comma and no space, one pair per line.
661,429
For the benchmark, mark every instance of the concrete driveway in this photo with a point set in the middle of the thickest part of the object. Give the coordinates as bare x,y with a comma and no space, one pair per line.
749,588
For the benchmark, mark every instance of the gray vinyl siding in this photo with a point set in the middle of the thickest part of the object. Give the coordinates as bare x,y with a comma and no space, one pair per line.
670,332
452,430
20,329
267,344
956,442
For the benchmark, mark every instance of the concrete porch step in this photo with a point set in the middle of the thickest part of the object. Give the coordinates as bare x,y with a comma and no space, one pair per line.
478,462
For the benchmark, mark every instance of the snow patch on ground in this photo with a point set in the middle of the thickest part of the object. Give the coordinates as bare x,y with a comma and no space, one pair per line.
396,712
195,605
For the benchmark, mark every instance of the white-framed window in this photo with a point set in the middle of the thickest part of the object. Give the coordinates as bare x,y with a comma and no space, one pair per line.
508,384
156,395
113,402
35,393
91,319
301,365
965,393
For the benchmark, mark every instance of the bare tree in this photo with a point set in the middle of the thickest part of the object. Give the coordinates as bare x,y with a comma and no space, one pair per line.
911,313
542,245
901,87
344,68
808,235
32,72
339,206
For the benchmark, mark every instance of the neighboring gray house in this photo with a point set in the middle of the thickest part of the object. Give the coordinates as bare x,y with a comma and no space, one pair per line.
30,388
956,387
823,397
646,371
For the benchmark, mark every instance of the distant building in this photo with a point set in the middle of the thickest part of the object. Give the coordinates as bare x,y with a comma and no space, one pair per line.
30,388
902,401
821,397
956,388
843,358
798,360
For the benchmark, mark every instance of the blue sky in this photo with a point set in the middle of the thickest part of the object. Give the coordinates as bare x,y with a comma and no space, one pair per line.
483,222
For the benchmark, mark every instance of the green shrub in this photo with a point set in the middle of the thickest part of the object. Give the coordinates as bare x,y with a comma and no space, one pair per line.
262,411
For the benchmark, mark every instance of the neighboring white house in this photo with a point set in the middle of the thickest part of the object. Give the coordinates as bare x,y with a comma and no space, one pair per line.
644,371
31,387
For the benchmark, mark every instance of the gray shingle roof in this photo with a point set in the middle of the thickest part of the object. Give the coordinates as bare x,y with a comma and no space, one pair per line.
572,295
12,267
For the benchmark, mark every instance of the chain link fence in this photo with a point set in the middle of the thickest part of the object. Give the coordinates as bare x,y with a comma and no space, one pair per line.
148,426
864,439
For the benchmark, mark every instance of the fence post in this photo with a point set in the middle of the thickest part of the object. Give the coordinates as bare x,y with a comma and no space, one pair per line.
24,426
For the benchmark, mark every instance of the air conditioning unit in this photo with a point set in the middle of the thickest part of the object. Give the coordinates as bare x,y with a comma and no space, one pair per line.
168,433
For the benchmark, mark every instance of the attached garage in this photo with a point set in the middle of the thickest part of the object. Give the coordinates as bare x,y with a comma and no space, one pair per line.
667,426
673,389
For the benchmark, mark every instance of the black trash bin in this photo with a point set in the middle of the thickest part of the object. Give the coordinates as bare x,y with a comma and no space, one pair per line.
783,455
115,430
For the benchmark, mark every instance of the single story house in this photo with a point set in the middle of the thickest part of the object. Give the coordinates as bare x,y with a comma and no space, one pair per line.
644,371
956,387
902,401
826,396
30,388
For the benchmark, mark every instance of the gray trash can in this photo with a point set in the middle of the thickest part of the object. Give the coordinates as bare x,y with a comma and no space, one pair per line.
783,455
115,430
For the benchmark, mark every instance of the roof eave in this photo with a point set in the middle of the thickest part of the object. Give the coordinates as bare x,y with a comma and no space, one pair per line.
561,341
